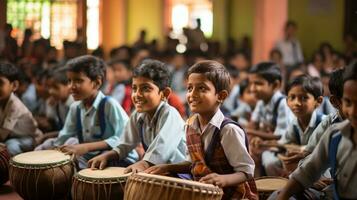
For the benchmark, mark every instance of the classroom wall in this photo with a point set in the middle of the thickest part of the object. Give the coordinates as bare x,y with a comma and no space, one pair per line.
318,25
241,19
144,14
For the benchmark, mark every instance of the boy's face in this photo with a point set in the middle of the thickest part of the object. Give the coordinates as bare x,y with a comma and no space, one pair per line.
145,95
349,102
58,91
300,102
249,98
6,88
121,73
81,86
260,87
201,94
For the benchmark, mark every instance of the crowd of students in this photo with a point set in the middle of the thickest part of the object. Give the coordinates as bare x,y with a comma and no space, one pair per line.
220,121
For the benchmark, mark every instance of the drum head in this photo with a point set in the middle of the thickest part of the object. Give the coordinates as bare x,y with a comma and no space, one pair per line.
270,183
107,173
45,157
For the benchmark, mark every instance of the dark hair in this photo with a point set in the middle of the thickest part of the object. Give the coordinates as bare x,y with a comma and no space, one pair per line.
335,84
91,66
350,73
59,76
277,51
243,86
126,63
269,71
214,72
290,23
9,71
154,70
312,85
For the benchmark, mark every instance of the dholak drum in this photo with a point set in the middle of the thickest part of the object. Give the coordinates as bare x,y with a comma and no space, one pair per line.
4,164
42,174
105,184
266,185
154,187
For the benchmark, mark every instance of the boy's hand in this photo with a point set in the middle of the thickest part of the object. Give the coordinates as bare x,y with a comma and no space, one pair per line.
137,167
158,169
77,149
256,141
294,157
98,162
214,179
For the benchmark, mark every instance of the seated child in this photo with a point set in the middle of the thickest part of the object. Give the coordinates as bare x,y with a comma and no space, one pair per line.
154,123
217,147
94,122
60,101
245,104
304,96
336,150
18,128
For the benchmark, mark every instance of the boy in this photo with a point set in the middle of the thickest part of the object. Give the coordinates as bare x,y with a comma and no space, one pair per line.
336,150
18,128
304,96
155,124
271,114
122,88
94,123
60,101
218,151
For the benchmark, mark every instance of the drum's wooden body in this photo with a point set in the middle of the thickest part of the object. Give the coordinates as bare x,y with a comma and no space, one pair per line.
266,185
4,164
42,175
143,186
107,184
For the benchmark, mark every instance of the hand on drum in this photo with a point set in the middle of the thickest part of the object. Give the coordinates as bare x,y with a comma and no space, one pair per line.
158,169
293,157
214,179
98,162
137,167
256,141
77,149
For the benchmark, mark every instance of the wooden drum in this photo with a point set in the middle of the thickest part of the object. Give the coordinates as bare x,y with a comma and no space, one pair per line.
266,185
154,187
105,184
42,174
4,164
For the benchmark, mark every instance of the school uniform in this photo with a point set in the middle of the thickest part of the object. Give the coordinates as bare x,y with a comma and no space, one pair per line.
320,130
19,120
230,155
294,135
275,114
89,129
242,112
162,136
345,161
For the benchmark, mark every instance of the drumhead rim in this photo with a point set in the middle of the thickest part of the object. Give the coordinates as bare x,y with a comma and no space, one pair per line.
38,166
211,189
268,177
100,180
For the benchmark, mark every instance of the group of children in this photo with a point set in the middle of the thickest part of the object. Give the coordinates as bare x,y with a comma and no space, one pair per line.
208,147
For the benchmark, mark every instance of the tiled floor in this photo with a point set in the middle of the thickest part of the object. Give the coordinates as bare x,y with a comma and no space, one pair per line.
8,193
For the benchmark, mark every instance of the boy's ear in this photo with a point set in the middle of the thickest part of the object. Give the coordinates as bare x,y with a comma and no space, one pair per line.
319,100
98,81
277,84
222,95
165,93
15,85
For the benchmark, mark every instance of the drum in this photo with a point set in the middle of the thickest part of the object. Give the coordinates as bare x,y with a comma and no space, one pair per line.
105,184
154,187
289,167
42,174
4,164
266,185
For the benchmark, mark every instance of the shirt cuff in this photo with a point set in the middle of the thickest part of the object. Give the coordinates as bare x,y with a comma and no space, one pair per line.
112,142
153,158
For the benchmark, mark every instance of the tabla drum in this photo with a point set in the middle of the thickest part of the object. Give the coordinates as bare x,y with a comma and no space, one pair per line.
42,174
266,185
155,187
105,184
4,164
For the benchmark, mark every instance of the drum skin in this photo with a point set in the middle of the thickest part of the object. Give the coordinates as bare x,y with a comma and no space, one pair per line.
148,187
4,164
42,182
266,185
